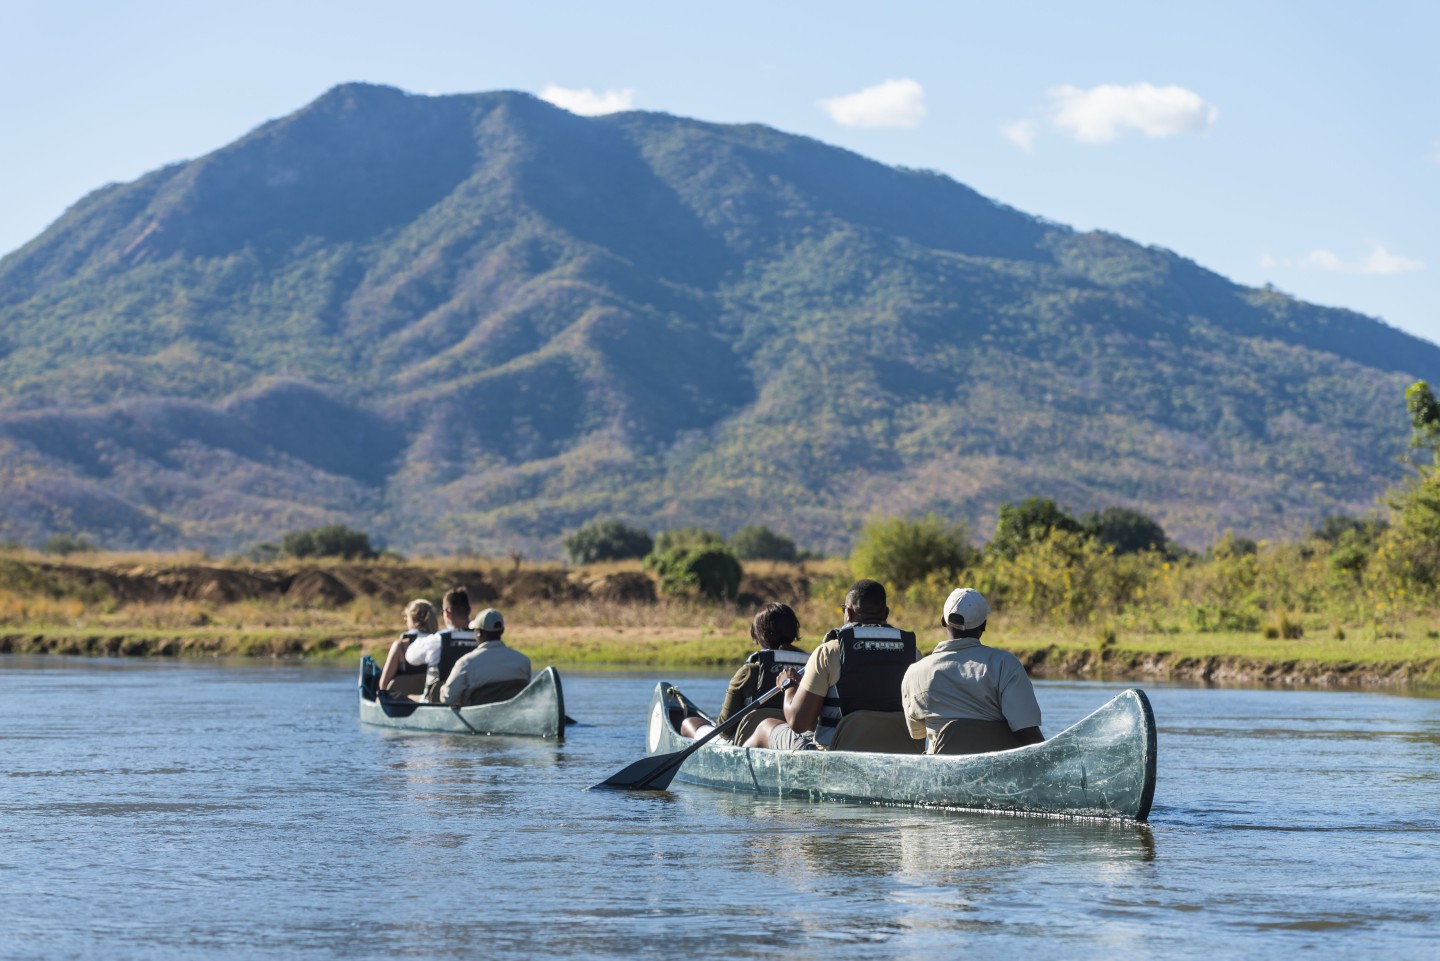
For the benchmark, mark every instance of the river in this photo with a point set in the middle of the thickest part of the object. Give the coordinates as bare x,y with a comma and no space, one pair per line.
190,810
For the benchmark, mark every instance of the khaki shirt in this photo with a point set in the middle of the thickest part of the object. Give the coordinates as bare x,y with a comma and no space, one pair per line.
822,673
965,680
491,661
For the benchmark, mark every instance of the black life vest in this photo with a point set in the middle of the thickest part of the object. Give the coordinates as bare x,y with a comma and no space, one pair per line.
405,666
767,666
873,662
454,645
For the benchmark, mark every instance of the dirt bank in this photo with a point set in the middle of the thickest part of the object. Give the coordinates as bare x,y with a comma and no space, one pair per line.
1120,664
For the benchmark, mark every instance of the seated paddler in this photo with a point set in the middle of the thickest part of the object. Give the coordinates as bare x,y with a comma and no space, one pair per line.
774,630
399,676
856,670
489,673
965,697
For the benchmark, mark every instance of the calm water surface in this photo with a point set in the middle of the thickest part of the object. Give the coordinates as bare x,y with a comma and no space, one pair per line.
201,810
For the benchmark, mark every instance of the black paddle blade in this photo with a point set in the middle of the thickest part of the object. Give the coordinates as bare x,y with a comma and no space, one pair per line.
652,773
396,707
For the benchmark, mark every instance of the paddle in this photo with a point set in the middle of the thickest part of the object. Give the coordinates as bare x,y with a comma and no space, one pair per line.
655,772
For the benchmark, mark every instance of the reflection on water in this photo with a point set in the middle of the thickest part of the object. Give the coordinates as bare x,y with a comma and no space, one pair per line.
155,810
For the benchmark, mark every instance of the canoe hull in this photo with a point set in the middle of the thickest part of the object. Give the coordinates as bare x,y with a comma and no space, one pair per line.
537,711
1102,767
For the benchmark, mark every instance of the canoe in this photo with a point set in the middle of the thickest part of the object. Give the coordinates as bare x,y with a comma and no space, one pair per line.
537,711
1102,767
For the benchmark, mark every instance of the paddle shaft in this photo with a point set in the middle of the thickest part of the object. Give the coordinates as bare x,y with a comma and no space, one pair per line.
655,773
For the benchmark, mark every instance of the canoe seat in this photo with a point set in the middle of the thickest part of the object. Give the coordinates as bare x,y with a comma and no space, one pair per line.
751,721
975,737
494,691
883,732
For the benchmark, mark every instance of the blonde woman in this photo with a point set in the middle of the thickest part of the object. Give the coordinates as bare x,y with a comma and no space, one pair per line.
420,620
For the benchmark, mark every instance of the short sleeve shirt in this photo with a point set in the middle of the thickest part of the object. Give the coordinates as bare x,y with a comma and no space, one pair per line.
424,651
965,680
822,673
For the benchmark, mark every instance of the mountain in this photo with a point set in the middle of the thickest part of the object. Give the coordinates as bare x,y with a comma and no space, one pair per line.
475,322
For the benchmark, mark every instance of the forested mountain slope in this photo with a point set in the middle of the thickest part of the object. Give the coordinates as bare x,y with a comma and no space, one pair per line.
473,322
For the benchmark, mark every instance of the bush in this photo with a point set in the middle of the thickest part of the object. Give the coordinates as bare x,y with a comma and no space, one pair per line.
756,543
711,572
607,541
332,540
66,544
681,538
1028,522
899,552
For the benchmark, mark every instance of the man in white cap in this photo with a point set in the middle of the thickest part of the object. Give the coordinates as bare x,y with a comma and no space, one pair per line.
963,680
491,672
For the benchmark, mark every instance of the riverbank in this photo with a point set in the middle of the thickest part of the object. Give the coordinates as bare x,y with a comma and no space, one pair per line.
1389,664
612,615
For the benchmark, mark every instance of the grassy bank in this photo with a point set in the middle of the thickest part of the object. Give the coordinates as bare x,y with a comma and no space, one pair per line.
187,606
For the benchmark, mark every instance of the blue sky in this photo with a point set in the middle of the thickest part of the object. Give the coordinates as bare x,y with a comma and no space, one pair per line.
1291,143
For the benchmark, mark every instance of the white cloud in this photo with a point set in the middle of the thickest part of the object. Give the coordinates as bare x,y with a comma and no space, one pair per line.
1378,261
1021,133
1434,157
589,103
894,103
1102,113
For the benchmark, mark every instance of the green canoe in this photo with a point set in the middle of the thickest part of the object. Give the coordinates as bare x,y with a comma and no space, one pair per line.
1102,767
537,711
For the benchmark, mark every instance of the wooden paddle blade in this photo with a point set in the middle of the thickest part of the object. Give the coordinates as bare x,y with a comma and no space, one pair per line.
652,773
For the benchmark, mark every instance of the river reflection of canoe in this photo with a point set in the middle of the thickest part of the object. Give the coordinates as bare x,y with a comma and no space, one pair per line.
1103,766
537,711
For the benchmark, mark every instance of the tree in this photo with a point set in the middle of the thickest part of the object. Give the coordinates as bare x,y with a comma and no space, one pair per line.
66,544
1415,506
607,541
755,543
1338,527
1023,524
1124,530
332,540
1424,416
900,552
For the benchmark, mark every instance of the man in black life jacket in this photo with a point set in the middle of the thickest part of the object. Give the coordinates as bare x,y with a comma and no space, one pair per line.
858,667
983,690
438,652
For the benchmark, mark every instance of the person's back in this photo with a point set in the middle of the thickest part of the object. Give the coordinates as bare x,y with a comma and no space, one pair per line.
858,667
400,677
491,672
968,682
775,629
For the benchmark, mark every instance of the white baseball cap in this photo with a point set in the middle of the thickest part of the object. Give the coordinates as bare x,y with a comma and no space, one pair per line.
966,608
488,620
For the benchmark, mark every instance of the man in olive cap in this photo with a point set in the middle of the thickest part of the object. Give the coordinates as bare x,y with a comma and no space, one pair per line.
963,680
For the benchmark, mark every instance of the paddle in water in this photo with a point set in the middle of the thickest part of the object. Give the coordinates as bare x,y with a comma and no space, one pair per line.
654,773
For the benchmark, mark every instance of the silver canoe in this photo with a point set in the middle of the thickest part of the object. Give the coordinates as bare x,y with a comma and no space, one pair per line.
537,711
1102,767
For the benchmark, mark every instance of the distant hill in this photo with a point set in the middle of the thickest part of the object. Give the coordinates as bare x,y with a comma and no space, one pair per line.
474,322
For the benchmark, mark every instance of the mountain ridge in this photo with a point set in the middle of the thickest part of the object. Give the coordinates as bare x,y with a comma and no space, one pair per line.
512,318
